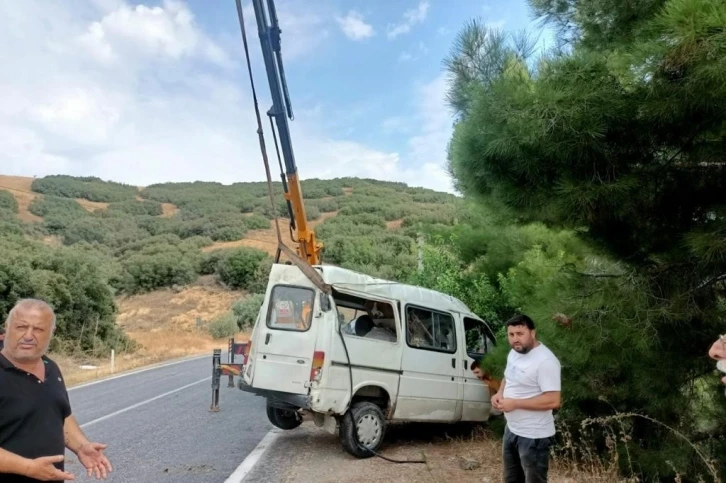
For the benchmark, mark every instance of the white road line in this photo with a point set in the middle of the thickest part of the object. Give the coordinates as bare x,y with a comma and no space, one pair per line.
137,371
241,472
121,411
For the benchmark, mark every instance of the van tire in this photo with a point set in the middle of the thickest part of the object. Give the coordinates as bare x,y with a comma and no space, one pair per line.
370,419
283,418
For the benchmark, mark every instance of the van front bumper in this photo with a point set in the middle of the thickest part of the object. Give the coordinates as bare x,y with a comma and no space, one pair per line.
282,400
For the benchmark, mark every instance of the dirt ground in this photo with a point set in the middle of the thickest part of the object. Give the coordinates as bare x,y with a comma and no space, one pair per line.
461,453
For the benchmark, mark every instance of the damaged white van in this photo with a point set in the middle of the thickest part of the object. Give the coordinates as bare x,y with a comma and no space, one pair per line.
366,353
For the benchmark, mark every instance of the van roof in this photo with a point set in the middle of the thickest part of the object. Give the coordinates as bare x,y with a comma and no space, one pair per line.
348,279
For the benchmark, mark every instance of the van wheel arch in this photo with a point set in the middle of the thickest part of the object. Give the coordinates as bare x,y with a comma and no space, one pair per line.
373,394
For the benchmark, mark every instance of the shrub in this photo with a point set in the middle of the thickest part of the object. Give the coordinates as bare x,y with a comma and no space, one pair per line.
246,310
134,207
90,188
259,281
327,206
223,327
238,267
257,222
8,201
312,213
164,268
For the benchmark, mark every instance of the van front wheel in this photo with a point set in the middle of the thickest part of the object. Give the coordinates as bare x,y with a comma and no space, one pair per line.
366,421
283,418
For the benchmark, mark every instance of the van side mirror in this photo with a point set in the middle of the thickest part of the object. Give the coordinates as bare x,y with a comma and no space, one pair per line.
325,302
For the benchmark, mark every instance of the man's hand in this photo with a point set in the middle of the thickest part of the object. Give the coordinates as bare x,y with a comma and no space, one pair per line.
42,469
92,458
497,401
508,404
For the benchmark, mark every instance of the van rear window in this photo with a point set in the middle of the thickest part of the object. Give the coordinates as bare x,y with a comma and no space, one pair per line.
291,308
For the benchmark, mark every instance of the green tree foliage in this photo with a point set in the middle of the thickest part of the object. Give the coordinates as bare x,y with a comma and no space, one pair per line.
8,201
238,267
223,326
89,188
618,137
246,310
135,207
72,281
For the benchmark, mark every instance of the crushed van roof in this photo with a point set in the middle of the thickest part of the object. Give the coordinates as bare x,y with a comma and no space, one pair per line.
348,279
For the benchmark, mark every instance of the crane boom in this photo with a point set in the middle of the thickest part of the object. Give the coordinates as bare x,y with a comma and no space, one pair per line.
309,248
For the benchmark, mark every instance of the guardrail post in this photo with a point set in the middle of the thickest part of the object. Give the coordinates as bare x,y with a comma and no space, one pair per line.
216,362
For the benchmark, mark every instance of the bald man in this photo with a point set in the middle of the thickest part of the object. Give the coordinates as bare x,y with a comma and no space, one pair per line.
36,423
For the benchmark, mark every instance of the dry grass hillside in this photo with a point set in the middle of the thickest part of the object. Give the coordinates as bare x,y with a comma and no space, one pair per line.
164,323
20,188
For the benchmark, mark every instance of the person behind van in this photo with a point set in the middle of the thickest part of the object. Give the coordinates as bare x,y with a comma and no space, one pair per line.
718,353
2,338
485,377
529,392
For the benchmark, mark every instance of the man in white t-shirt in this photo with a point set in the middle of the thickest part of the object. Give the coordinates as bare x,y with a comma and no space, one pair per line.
529,392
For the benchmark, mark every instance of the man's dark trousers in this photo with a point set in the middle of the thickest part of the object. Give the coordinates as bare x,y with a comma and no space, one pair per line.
525,460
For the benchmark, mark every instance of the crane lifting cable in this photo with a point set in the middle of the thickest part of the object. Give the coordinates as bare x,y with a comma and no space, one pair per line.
308,247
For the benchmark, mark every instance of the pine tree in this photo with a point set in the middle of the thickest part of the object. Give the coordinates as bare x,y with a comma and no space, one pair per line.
618,133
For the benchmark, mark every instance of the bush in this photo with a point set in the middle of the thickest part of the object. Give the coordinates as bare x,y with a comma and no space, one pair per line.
259,281
257,222
312,213
167,267
238,267
8,201
327,206
246,310
223,327
134,207
89,188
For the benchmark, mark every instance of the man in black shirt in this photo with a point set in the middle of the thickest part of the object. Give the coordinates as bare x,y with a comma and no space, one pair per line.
36,422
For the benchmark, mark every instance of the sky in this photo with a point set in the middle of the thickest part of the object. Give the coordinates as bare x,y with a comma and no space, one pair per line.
157,91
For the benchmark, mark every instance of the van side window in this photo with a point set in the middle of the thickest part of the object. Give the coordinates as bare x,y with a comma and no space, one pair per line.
426,329
477,339
291,308
369,319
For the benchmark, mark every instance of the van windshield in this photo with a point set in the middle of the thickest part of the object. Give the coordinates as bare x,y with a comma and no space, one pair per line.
291,308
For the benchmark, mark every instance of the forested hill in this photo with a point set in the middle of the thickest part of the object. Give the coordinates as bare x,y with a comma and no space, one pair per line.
79,242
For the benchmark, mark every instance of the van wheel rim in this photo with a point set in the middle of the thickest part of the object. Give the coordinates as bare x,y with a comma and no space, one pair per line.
369,430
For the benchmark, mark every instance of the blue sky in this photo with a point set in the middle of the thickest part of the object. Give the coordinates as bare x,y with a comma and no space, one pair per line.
157,91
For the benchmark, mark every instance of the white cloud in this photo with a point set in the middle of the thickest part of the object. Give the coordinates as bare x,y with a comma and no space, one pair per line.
429,146
143,95
354,27
411,18
167,31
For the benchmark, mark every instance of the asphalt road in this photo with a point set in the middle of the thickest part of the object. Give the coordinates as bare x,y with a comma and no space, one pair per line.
158,425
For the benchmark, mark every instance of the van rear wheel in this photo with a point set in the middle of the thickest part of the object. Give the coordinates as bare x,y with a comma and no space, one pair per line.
283,418
366,421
